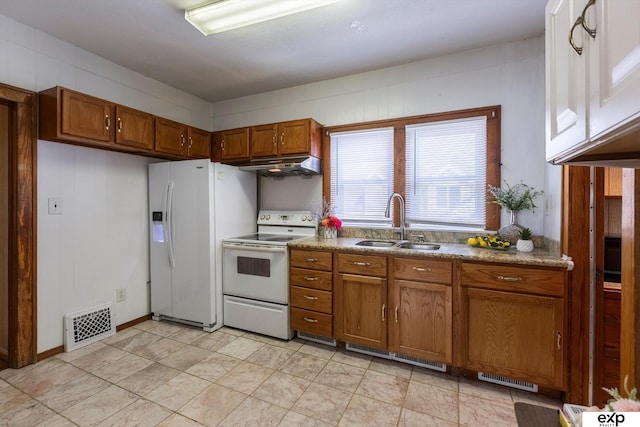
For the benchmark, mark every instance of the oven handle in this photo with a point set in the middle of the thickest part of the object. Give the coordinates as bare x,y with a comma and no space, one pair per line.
241,247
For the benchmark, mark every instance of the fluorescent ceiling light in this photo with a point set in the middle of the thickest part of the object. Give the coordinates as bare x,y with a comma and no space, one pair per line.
225,15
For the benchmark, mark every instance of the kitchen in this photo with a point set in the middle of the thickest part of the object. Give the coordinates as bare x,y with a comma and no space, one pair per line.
75,257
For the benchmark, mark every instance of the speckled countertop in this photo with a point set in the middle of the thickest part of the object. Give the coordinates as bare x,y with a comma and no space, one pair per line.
538,257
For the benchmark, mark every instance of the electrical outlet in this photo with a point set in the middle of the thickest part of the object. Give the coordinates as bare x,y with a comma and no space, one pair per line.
121,295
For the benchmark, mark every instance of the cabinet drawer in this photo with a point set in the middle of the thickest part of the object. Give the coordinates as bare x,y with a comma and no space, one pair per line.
423,270
312,322
311,299
367,265
316,260
513,278
311,279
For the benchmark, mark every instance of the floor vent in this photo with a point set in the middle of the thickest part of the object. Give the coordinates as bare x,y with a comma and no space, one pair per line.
88,326
497,379
437,366
316,338
368,350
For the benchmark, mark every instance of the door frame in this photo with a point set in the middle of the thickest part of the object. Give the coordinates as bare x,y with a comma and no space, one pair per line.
575,242
22,348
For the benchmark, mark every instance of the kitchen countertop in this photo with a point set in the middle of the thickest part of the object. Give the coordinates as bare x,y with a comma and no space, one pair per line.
539,257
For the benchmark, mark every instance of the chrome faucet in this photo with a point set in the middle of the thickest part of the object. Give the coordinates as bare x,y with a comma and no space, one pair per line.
401,203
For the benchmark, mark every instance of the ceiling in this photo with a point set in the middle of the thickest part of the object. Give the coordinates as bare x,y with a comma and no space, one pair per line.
352,36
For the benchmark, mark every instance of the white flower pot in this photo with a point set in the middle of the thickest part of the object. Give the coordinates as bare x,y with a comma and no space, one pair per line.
524,245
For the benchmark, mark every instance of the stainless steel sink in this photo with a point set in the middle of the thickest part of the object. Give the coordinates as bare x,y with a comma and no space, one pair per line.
377,243
418,246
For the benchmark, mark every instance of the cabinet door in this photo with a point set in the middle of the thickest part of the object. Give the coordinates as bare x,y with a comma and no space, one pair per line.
134,128
362,310
566,125
515,335
294,137
170,137
235,144
198,143
264,141
613,182
421,324
86,117
614,72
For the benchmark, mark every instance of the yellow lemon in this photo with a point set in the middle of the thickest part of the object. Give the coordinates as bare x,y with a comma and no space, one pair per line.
483,243
472,241
507,244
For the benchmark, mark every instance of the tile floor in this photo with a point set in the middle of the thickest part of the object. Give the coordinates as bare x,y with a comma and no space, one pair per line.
159,373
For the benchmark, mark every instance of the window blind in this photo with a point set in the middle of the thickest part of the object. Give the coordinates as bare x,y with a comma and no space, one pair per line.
362,175
446,172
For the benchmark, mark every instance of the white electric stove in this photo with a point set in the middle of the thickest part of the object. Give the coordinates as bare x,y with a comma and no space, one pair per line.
255,273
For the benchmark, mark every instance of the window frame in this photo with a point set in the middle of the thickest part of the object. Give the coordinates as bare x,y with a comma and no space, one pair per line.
493,149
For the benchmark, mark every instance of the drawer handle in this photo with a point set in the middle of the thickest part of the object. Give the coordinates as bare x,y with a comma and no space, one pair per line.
310,320
107,122
421,269
312,259
384,309
396,314
509,279
558,340
361,264
310,297
310,279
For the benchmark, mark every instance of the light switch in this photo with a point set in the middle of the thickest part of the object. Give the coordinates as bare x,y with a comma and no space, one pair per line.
55,205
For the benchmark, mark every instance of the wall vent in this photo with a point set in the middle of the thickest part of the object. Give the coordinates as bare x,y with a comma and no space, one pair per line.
367,350
437,366
497,379
316,338
88,326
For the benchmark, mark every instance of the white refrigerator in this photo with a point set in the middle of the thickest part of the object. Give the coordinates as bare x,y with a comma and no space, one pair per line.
193,205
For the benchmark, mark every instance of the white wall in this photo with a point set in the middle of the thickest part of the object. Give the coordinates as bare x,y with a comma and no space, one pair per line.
99,243
511,75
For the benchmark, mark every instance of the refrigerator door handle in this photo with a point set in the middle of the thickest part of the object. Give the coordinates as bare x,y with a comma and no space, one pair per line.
169,227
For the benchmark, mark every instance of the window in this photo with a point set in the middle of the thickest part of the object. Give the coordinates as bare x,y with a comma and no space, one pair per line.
441,163
446,172
362,175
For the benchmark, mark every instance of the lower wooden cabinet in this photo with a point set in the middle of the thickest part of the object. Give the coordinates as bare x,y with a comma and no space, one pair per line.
362,310
513,322
509,319
311,292
422,320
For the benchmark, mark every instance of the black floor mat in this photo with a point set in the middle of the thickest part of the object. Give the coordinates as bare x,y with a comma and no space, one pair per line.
529,415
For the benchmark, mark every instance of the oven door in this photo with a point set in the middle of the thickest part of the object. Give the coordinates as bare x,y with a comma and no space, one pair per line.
256,271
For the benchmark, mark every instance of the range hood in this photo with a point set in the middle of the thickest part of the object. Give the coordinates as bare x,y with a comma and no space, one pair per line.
284,166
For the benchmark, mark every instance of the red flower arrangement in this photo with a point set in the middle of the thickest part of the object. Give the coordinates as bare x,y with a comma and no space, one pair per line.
332,222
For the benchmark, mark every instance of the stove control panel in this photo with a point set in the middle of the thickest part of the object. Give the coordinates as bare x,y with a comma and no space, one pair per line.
290,218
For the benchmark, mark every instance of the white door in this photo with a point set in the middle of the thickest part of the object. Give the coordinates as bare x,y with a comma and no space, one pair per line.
614,73
565,78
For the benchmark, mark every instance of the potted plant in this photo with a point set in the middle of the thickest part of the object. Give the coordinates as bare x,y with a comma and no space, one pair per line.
515,198
524,243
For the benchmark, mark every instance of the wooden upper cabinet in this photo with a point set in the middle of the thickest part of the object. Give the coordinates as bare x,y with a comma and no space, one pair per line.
170,137
264,140
134,128
296,137
613,182
198,143
69,116
231,145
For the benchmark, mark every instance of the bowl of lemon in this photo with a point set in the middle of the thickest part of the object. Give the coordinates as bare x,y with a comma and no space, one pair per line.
489,242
